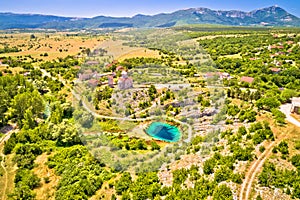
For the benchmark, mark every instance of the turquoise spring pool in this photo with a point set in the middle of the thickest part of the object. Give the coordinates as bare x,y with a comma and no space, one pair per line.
164,132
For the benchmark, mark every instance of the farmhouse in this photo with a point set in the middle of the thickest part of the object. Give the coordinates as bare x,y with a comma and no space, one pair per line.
295,105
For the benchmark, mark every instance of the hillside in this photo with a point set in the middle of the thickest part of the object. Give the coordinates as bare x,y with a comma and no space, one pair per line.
271,16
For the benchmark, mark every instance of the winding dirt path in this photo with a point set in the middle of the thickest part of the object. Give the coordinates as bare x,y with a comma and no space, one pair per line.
254,169
5,138
5,175
258,164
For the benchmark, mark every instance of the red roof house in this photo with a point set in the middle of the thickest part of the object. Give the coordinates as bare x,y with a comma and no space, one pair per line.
247,79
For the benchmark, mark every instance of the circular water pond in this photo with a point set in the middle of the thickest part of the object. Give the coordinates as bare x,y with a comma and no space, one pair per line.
163,131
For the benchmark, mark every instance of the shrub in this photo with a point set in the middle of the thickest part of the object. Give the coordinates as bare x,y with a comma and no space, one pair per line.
262,149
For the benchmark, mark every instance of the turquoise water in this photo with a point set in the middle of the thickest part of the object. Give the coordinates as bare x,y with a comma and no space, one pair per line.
163,131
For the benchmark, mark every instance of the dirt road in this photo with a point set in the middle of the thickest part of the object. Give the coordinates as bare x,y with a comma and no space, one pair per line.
5,138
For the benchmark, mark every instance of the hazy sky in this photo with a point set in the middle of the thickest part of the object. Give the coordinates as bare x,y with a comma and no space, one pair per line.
90,8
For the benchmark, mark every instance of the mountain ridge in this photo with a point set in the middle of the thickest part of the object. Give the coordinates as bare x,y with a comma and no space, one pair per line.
269,16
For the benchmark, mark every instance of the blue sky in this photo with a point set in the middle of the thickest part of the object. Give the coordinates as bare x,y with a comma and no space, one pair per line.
90,8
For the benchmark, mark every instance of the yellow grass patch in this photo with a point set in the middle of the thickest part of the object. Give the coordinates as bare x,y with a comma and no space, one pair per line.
141,52
54,44
121,52
232,56
15,70
45,190
288,131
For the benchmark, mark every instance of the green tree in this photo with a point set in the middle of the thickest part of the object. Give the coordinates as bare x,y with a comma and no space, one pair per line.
84,118
32,36
126,196
222,192
278,115
208,167
124,183
22,192
27,177
296,161
242,130
10,144
154,146
65,133
283,147
28,121
222,174
28,101
152,92
268,103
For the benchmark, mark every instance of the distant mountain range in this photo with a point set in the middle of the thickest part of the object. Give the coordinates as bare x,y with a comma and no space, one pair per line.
271,16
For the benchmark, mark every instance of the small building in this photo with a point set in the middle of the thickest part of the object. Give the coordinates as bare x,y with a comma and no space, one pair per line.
110,81
273,55
225,75
26,74
86,75
247,79
280,47
92,62
275,70
108,66
295,105
120,68
210,75
93,83
97,75
289,61
270,47
77,67
219,75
